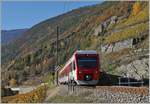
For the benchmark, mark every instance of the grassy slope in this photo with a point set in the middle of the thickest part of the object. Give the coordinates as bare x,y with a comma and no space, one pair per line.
131,27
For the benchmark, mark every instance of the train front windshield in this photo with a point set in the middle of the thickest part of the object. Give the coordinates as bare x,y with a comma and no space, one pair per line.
87,62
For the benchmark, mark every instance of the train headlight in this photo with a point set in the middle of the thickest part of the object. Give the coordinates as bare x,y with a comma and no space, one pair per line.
88,77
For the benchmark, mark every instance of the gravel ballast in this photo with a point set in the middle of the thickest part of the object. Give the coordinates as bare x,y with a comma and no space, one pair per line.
108,94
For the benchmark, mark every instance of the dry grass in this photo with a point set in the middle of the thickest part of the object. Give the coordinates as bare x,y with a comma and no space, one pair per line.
78,97
69,99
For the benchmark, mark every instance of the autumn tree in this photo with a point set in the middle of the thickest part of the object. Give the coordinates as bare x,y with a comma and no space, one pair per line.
136,8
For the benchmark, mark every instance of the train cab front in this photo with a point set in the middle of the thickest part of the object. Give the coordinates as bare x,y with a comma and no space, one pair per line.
87,69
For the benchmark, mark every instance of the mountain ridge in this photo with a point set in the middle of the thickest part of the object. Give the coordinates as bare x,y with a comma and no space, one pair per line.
11,35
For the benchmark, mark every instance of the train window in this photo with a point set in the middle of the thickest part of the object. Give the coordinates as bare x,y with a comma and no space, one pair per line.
87,62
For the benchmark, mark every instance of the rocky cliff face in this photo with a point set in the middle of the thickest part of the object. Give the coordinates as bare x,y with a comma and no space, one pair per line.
124,56
137,69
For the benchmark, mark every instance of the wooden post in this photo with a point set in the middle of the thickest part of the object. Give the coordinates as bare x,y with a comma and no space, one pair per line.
57,55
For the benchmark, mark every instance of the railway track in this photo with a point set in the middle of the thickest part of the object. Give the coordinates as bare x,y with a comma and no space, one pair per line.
109,94
144,91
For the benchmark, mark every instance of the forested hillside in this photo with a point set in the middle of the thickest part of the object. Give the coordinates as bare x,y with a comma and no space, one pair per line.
118,31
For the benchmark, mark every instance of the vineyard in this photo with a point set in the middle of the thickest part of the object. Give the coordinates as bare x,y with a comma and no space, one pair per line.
127,33
35,96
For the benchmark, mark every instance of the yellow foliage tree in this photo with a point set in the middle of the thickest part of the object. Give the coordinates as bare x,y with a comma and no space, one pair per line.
136,8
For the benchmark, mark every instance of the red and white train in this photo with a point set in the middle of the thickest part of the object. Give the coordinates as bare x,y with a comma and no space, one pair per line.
82,68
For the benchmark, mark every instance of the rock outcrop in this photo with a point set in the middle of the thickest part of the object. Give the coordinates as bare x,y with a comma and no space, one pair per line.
99,30
117,46
103,26
137,69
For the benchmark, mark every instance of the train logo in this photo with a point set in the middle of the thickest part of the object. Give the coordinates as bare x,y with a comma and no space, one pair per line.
83,68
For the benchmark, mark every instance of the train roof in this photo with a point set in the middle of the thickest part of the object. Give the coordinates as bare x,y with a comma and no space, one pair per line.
86,52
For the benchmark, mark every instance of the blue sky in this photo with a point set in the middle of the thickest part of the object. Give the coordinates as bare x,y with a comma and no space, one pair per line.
25,14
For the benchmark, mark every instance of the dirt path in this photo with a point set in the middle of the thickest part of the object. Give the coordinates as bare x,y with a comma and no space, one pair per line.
51,92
